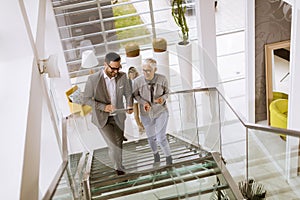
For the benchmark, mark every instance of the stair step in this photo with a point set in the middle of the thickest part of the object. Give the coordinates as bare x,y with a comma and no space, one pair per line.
140,174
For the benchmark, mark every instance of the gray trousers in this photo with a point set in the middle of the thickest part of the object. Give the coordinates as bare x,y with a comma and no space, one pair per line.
156,132
113,136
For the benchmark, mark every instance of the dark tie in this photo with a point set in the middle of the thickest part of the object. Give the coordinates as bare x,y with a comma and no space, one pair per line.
151,92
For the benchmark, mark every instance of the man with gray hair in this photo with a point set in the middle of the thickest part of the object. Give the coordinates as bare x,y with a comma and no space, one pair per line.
151,92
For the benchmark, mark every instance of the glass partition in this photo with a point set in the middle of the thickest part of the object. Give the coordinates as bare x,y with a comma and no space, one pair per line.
274,164
258,159
195,116
202,121
233,141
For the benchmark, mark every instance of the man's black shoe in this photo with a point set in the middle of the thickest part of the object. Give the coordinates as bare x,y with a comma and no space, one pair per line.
169,160
119,172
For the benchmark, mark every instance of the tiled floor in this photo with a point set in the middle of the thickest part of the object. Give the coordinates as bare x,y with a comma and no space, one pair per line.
266,160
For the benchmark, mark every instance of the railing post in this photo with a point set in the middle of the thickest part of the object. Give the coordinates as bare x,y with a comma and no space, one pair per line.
220,128
104,34
64,139
86,178
247,156
152,18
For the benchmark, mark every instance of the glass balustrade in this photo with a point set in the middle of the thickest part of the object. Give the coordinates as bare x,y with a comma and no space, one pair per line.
257,152
202,121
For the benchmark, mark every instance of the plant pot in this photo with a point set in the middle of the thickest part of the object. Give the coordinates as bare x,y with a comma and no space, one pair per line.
134,62
162,59
132,49
159,45
184,54
252,190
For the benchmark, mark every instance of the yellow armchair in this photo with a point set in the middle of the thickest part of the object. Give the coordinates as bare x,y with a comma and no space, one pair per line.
278,114
279,95
83,110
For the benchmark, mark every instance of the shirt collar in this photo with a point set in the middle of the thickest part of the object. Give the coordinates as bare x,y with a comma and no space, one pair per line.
106,77
152,81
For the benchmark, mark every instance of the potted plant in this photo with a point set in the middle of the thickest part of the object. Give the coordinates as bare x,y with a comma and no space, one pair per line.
183,47
178,13
132,49
184,54
159,45
161,55
133,57
252,190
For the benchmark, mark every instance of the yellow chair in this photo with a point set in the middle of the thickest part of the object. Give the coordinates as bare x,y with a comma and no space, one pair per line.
278,114
83,110
75,107
279,95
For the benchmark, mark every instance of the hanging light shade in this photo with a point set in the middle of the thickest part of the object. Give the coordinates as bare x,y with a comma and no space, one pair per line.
89,59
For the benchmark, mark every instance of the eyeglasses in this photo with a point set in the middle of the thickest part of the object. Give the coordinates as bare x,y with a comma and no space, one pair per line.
147,70
114,68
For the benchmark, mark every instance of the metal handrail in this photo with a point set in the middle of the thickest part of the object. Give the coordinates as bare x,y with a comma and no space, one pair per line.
63,166
54,183
86,176
107,31
241,118
226,176
88,3
103,20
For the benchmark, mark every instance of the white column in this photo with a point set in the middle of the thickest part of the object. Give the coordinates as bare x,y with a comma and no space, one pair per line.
292,161
17,109
206,29
31,162
250,59
205,11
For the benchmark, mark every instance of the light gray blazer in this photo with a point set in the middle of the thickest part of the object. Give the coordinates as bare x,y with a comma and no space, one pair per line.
141,92
96,95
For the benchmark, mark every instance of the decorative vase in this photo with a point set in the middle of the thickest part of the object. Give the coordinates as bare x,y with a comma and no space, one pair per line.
133,57
159,45
134,62
162,59
161,55
184,54
132,49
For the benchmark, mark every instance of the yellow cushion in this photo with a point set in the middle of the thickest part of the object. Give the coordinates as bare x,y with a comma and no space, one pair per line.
278,114
279,95
77,108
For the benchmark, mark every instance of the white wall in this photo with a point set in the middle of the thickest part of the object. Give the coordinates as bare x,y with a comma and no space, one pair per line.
15,74
250,59
294,97
53,47
18,92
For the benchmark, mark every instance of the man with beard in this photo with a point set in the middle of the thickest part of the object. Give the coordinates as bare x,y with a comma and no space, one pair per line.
104,91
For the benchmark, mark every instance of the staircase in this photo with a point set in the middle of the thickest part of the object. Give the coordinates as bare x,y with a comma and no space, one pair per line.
64,189
194,173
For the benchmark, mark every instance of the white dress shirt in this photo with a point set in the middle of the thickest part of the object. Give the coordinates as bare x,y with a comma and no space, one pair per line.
111,87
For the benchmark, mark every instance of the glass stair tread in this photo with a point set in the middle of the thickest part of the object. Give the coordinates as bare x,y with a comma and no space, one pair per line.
140,175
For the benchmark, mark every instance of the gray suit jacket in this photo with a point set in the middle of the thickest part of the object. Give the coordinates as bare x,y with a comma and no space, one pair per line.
141,92
97,96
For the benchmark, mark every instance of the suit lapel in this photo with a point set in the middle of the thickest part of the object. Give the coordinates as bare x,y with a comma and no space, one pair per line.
117,85
101,90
